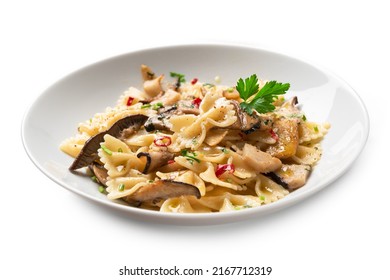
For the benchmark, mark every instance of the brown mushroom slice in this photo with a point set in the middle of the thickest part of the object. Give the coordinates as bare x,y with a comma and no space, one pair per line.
127,132
164,189
88,153
291,104
245,122
260,161
155,159
187,107
289,109
293,101
100,173
160,121
291,176
170,167
286,131
189,111
266,122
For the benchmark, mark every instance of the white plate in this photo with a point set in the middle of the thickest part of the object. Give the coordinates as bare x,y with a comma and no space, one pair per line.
55,114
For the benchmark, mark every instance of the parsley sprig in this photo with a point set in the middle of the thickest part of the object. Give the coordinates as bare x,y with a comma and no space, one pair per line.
263,99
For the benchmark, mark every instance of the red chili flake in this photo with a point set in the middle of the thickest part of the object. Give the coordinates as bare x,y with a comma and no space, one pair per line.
171,161
194,81
274,135
163,141
196,102
222,168
130,101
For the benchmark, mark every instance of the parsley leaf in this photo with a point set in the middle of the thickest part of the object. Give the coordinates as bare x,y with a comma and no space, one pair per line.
181,77
247,88
246,107
263,99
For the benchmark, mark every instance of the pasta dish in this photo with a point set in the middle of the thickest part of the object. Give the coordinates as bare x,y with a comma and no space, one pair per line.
189,147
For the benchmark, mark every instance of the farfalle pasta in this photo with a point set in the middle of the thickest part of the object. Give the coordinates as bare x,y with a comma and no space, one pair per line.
190,147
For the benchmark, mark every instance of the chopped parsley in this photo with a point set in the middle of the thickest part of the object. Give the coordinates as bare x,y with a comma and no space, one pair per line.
157,106
190,156
154,106
242,207
180,77
316,129
106,150
263,99
121,187
145,106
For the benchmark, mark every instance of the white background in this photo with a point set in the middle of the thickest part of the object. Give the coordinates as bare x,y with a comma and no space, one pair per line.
49,233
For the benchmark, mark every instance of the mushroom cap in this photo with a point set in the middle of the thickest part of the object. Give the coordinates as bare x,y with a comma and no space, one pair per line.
155,159
100,173
245,122
88,153
164,189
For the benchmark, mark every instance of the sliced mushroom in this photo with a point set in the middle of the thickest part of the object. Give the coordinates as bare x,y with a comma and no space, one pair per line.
170,167
291,104
291,176
286,131
147,73
245,122
100,173
289,109
266,122
127,132
155,159
88,153
293,101
260,161
163,189
160,121
187,107
153,87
